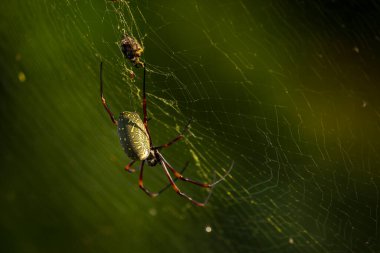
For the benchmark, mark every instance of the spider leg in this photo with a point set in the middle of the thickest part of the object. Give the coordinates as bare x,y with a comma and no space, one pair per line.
224,176
175,179
129,167
163,189
141,184
178,138
181,177
103,99
178,191
145,112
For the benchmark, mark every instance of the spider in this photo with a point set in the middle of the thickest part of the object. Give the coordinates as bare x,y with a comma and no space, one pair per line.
136,141
132,50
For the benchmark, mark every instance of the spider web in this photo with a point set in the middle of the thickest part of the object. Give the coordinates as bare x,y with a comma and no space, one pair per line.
277,92
285,90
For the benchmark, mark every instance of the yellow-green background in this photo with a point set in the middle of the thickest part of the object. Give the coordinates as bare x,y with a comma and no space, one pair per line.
289,90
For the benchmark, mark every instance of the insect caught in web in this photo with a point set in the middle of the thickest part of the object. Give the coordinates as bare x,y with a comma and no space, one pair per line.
137,143
132,50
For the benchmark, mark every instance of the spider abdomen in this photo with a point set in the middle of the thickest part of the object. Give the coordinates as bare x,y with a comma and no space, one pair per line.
133,136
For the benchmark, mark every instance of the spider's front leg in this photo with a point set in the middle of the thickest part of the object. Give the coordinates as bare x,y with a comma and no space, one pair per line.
103,99
175,179
181,177
145,120
160,191
182,194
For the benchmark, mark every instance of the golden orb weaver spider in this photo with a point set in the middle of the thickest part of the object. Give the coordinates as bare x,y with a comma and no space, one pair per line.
137,144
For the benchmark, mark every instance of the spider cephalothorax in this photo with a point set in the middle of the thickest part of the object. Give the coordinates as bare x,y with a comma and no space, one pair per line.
153,158
137,144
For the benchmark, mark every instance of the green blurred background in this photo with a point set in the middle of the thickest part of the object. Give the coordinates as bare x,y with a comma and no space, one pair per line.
286,89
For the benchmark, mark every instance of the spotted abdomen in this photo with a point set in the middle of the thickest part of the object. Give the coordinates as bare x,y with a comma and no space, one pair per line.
133,136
